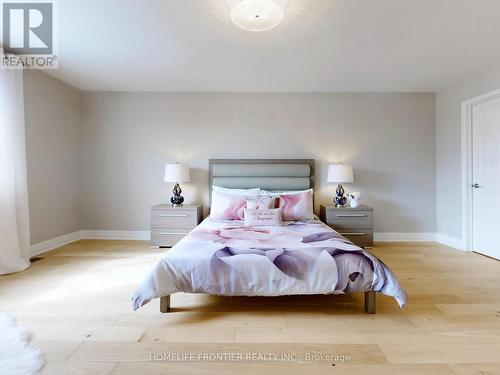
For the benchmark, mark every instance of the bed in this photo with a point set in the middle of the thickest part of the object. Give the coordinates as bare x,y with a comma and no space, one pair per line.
227,258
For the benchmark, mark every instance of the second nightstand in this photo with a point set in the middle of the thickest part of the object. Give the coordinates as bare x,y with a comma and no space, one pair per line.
170,224
356,224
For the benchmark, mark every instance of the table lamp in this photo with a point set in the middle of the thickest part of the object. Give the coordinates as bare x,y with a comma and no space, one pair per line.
177,173
340,173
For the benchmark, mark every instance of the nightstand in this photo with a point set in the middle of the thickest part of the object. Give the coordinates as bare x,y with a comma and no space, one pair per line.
170,224
356,224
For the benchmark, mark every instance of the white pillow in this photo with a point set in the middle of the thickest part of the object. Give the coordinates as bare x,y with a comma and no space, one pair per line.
264,217
247,192
290,192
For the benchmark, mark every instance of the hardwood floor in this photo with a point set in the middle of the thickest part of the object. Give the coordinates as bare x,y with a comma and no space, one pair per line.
76,302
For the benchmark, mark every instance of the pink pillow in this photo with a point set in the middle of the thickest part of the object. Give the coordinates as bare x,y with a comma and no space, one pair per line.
227,206
261,217
297,205
261,202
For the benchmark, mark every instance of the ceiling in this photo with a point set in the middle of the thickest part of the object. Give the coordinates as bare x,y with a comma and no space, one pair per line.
322,45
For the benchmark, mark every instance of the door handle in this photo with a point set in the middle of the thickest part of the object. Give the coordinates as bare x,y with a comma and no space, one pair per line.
476,186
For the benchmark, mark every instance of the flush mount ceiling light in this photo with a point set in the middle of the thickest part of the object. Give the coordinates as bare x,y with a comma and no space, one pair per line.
257,15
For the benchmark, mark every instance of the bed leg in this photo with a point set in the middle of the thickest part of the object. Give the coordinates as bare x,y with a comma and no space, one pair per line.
165,304
370,302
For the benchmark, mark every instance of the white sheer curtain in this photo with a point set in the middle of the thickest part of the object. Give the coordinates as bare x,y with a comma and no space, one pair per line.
14,217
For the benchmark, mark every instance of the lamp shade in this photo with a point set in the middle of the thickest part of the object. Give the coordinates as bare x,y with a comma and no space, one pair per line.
177,173
340,173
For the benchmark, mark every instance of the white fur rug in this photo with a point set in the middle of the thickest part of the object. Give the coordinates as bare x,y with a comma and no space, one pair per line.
17,357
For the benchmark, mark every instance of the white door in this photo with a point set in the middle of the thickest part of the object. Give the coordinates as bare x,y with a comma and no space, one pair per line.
486,178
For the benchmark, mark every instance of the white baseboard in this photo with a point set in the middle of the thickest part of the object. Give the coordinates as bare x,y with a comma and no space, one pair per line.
404,237
454,242
138,235
54,243
145,235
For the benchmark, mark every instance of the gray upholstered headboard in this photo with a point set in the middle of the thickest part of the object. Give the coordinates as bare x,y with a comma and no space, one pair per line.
268,174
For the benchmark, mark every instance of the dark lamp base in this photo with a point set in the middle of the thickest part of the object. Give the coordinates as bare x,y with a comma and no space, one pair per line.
177,199
339,200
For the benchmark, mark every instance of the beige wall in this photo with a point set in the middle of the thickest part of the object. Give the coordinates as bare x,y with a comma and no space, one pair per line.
52,113
449,149
127,137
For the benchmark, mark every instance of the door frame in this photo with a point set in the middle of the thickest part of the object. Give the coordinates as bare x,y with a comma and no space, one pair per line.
467,164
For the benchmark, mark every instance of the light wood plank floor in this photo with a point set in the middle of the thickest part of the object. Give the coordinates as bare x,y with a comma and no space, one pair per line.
76,302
